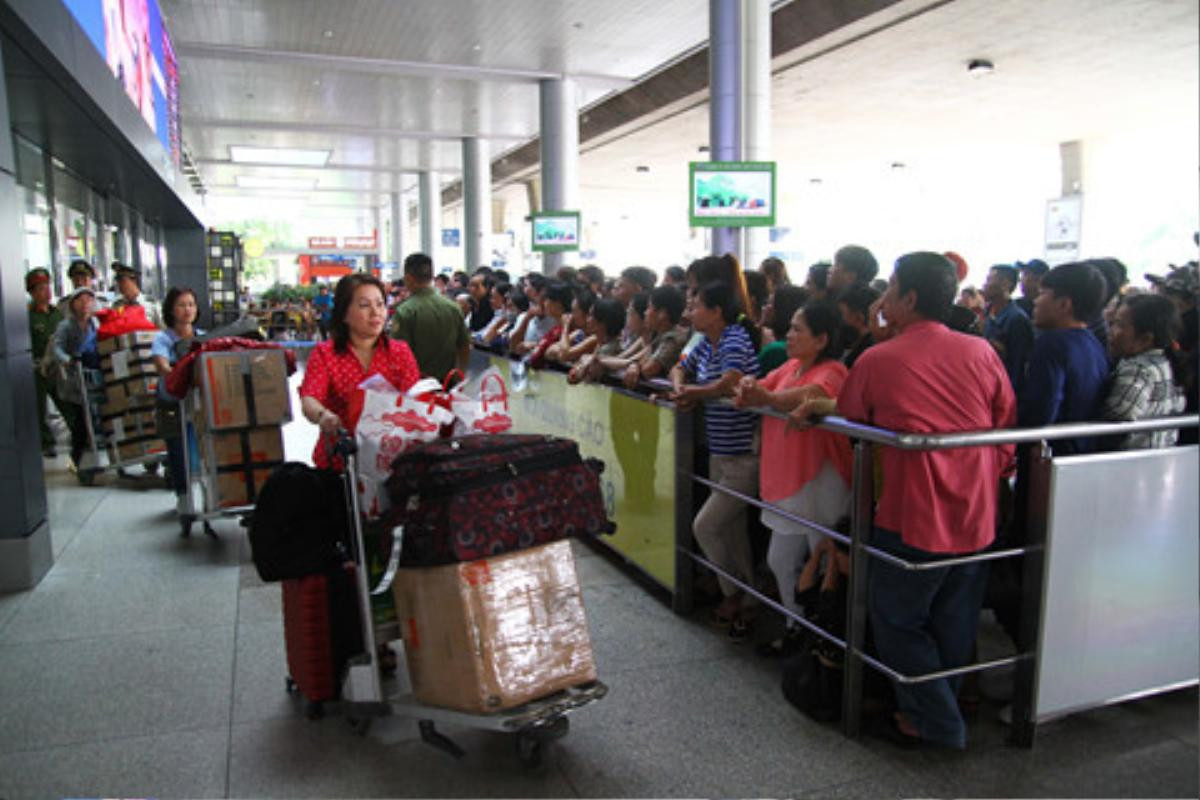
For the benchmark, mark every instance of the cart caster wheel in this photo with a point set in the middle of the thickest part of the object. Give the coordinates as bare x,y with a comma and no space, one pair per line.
208,531
314,710
185,527
152,468
121,473
529,751
360,725
289,685
86,477
557,729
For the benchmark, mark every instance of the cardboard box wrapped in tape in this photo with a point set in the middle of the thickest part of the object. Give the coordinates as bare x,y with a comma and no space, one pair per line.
487,635
126,341
244,389
237,463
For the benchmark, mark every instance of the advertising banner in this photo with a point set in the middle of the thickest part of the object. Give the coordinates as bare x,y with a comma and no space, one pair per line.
132,39
632,436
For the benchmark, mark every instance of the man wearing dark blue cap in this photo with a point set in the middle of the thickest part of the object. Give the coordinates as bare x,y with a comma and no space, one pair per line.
1032,272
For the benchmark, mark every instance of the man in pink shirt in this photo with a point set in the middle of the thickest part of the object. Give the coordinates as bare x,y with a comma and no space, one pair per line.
935,504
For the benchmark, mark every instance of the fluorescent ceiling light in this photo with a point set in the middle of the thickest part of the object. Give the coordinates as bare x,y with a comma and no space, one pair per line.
289,156
267,182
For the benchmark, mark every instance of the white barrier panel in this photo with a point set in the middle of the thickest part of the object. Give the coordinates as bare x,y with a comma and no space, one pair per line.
1121,608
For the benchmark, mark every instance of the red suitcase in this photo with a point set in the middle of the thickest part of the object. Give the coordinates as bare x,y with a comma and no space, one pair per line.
322,632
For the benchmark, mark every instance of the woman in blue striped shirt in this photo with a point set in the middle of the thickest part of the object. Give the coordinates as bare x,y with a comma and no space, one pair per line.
713,369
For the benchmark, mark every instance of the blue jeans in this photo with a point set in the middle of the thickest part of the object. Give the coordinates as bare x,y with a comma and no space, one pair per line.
925,622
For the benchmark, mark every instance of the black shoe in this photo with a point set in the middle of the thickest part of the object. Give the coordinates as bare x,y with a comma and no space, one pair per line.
740,629
48,451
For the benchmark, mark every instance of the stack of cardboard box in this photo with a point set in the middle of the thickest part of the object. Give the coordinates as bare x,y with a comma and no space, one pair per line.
130,380
245,402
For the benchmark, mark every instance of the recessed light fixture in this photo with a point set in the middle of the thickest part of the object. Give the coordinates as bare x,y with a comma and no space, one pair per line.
328,34
702,148
268,182
897,165
980,66
477,47
642,168
815,181
284,156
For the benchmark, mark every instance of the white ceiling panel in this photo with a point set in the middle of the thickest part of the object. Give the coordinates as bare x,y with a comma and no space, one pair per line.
395,84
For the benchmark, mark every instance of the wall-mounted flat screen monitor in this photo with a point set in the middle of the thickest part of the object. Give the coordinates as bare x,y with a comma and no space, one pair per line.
555,231
730,194
131,37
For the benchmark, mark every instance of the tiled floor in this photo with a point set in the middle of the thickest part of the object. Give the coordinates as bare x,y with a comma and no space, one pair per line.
149,665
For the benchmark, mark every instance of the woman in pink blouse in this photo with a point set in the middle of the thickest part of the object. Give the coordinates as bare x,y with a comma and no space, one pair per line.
806,473
357,348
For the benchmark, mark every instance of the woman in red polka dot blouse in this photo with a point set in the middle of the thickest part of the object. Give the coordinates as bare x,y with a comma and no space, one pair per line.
357,349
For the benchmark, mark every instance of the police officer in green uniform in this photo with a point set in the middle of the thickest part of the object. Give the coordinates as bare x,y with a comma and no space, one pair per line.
43,319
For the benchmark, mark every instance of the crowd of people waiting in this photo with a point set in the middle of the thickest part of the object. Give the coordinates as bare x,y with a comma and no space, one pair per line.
907,353
1079,345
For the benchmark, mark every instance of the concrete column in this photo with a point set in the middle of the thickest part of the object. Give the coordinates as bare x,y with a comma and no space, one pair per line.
1071,154
756,108
101,256
122,245
477,205
724,110
431,216
396,244
135,242
559,104
25,551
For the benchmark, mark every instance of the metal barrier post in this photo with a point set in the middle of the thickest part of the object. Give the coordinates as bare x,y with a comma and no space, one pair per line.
1024,721
856,590
685,568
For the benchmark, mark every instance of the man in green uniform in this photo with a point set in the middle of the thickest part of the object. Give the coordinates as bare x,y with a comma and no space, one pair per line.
431,324
43,319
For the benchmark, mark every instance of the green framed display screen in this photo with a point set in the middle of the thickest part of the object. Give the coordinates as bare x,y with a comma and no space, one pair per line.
555,231
731,194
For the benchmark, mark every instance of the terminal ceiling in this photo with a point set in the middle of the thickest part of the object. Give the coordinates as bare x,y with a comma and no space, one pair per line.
390,87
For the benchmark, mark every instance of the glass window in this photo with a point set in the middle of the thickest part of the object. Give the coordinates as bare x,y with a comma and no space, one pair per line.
35,210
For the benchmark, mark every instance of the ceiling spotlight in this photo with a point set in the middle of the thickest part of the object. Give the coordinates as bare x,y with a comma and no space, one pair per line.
328,34
642,168
897,165
980,66
815,181
702,148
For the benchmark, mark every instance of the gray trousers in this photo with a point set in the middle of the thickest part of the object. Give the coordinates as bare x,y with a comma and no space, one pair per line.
720,525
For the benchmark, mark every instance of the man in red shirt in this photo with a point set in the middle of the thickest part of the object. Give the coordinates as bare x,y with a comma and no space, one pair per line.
935,504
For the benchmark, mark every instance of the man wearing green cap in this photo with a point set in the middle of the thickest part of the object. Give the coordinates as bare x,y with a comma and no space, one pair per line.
43,319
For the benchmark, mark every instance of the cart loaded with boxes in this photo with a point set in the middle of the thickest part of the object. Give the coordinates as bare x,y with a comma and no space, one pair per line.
118,408
237,408
489,629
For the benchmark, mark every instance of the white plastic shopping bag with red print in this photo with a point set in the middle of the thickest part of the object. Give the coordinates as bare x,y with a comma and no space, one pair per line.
487,411
391,423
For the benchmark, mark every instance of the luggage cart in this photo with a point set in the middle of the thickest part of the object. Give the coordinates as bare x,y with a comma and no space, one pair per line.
98,457
363,697
207,510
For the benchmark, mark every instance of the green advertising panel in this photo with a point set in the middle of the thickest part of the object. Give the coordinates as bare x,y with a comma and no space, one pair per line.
731,194
633,437
555,231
